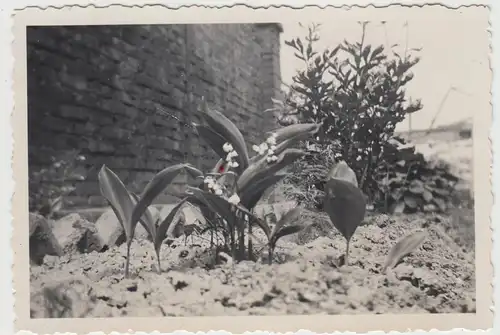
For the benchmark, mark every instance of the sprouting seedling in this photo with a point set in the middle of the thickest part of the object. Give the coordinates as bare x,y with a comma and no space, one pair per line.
285,226
344,202
166,229
403,247
130,209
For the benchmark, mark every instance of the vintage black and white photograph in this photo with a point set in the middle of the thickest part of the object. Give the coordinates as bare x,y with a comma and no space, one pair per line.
302,165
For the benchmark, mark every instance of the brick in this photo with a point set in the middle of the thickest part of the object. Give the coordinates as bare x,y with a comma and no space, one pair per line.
97,88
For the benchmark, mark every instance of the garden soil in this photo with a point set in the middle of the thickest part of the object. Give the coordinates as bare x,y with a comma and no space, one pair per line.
438,277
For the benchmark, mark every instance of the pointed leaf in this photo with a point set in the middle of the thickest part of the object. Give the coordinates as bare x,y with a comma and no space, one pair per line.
251,195
417,187
166,225
405,246
285,231
345,205
193,172
119,199
228,130
288,132
288,218
214,140
154,188
218,205
262,168
148,220
342,171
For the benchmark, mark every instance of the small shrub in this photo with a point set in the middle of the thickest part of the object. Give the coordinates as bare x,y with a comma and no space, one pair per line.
358,93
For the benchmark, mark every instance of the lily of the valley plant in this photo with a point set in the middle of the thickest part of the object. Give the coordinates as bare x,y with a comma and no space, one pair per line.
228,195
131,209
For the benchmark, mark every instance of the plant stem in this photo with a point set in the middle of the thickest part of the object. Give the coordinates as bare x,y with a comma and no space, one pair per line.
346,258
250,244
127,260
270,255
158,259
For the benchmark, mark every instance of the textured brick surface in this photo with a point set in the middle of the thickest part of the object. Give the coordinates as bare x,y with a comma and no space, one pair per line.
97,89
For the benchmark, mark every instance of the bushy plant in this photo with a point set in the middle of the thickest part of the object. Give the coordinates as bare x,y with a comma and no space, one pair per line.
48,186
227,196
358,93
407,183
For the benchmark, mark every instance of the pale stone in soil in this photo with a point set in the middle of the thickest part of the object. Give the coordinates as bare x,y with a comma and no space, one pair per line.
76,235
42,241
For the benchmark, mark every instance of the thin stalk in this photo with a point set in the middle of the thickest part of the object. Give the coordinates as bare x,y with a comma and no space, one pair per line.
127,261
270,255
158,259
346,258
250,243
233,242
241,244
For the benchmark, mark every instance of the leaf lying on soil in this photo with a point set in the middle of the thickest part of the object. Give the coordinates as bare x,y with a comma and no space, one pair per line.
404,246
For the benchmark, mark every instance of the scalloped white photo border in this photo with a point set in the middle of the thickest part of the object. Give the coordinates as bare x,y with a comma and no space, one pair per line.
14,206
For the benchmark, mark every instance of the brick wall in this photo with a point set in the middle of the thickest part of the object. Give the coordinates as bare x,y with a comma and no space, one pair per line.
97,89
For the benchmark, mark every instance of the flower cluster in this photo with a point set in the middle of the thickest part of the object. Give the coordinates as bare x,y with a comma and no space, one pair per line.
213,186
218,189
268,147
234,199
231,154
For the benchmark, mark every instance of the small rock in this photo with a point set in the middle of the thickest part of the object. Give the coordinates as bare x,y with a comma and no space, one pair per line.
42,241
76,235
65,299
191,215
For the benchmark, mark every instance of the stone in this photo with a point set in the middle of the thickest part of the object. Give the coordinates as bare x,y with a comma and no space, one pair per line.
67,298
111,231
42,241
76,235
191,214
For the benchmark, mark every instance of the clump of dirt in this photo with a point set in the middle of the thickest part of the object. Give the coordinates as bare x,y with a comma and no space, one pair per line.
438,277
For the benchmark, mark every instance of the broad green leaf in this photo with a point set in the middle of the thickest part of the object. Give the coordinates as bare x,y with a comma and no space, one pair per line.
402,248
302,129
228,130
285,231
411,201
119,199
427,196
218,205
262,168
193,172
287,219
440,203
417,187
154,188
213,139
166,225
148,220
342,171
251,195
345,204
